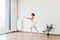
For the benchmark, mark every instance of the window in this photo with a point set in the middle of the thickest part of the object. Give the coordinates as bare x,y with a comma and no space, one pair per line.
5,15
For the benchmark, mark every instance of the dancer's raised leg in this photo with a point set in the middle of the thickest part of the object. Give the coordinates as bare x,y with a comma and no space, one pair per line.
36,28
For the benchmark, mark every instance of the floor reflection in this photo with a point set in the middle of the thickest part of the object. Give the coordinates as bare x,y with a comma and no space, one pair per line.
28,36
3,37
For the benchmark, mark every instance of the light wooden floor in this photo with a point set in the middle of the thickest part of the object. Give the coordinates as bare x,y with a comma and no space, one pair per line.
30,36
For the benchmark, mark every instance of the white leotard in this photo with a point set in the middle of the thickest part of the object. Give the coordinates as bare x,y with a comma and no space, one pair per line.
32,23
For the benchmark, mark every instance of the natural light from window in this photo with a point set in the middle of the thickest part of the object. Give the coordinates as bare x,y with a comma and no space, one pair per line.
2,19
2,15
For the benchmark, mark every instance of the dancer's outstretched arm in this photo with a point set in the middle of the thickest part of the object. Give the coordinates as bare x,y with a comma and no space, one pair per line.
27,17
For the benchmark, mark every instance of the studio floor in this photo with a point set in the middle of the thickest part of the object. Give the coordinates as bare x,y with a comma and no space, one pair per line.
28,36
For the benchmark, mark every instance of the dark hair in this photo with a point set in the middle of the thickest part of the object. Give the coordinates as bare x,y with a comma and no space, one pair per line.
33,14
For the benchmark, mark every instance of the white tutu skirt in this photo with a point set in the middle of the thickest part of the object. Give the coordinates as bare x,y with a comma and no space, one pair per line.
32,24
28,24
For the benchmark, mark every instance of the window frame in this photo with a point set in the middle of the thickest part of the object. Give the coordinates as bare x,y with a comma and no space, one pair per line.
8,13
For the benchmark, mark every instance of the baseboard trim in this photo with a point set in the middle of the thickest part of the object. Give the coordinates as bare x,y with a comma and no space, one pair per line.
28,32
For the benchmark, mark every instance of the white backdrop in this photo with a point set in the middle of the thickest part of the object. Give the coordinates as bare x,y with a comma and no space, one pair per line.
47,12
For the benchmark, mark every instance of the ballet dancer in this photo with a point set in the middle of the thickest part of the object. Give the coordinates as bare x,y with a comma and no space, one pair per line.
32,21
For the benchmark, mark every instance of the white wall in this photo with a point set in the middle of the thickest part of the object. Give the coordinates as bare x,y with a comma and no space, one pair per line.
13,15
47,12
